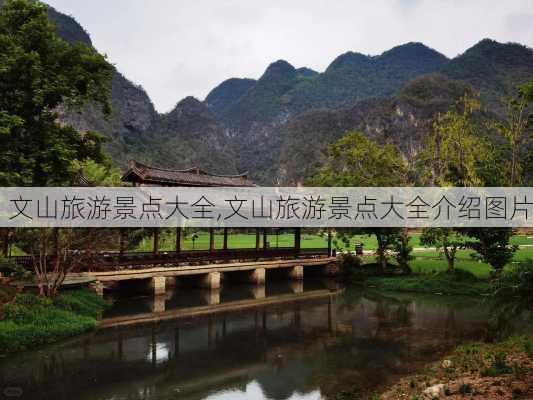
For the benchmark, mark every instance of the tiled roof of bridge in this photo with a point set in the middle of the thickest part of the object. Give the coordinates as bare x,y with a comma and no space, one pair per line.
144,174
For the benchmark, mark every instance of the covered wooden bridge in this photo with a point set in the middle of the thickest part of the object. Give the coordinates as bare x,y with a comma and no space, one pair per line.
210,263
142,175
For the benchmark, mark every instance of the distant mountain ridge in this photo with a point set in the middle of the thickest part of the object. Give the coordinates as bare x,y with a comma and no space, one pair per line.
288,115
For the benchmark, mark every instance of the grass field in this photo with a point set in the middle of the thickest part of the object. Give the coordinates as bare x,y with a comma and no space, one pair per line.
247,241
426,261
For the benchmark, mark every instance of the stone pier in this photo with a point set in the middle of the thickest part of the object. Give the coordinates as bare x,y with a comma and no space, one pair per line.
211,280
257,276
259,292
158,304
212,297
296,273
98,288
297,286
331,269
159,285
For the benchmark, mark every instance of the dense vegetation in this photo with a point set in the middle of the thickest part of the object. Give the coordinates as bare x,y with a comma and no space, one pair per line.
38,73
266,126
29,321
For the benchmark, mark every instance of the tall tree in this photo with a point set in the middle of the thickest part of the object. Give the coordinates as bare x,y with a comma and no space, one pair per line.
447,239
516,130
355,160
40,73
456,153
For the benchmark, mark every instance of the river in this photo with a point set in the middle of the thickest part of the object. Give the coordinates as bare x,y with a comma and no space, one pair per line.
310,341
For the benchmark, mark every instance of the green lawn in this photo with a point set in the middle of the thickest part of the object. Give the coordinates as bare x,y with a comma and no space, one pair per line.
427,261
235,241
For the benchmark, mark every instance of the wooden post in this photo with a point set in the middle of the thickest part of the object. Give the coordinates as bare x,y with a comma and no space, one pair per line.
257,239
225,245
329,242
178,239
121,242
265,239
211,239
297,240
156,240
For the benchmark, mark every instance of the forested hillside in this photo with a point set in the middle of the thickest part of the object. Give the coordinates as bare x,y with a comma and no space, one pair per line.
276,127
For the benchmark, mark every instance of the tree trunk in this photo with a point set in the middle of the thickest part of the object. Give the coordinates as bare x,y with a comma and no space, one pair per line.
5,242
404,238
450,258
382,258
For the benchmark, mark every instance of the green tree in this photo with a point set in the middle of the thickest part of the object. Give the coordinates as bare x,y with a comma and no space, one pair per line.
403,251
355,160
516,130
58,252
97,174
456,153
446,239
39,74
492,246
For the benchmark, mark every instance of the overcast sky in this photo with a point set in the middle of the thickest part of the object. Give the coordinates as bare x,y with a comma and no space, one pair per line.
177,48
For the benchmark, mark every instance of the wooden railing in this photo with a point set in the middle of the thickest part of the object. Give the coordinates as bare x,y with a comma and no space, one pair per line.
110,260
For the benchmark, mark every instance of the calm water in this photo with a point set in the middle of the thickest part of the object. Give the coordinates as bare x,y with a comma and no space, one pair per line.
310,341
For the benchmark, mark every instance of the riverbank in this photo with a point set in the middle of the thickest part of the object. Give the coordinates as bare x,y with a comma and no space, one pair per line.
29,321
459,282
487,371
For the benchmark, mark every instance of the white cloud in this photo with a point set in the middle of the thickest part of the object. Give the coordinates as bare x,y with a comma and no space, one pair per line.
175,48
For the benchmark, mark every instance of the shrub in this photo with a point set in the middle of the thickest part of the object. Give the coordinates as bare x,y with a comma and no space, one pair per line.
499,366
31,320
14,270
349,264
457,283
515,287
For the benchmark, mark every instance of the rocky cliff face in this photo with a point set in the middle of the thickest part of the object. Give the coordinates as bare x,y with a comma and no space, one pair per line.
133,111
402,120
187,136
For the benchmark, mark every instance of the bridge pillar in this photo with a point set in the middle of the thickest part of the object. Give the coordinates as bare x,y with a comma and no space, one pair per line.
98,288
158,304
297,287
331,269
257,276
211,280
212,297
259,292
159,284
296,273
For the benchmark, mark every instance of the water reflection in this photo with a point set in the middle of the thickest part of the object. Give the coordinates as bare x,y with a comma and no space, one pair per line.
308,343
